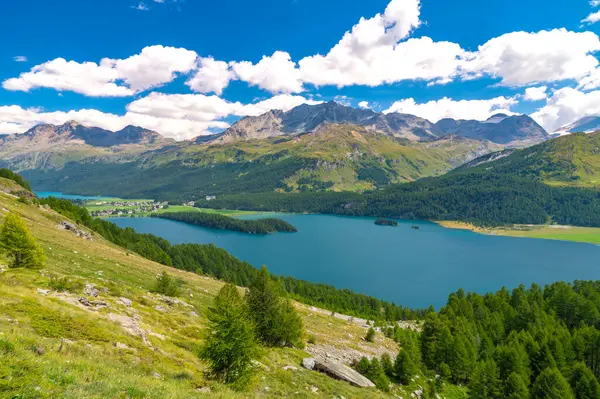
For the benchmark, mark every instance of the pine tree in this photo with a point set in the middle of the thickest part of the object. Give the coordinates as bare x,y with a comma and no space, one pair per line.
484,382
276,320
377,375
388,366
404,367
230,344
584,383
551,384
370,337
515,387
19,244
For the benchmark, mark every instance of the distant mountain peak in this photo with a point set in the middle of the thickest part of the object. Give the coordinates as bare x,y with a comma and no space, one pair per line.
587,124
94,136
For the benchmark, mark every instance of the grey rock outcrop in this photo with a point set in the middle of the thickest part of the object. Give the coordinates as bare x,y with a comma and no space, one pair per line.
338,371
73,228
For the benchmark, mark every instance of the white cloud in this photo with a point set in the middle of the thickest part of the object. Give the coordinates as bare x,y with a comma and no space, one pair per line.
371,53
590,82
595,3
565,106
277,73
378,51
153,67
448,108
20,58
140,7
364,105
536,93
522,58
212,76
592,18
179,116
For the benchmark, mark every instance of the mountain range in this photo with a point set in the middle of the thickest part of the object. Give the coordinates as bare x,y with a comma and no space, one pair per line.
50,146
324,147
515,131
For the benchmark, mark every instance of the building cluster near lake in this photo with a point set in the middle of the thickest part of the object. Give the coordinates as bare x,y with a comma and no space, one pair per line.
126,208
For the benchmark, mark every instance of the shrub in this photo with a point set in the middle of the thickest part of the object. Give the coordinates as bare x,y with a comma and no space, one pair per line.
370,337
63,284
166,285
6,347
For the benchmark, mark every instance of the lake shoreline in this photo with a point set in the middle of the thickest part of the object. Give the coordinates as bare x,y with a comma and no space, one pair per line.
587,235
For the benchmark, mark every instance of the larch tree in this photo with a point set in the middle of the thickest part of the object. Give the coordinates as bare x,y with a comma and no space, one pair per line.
18,243
230,345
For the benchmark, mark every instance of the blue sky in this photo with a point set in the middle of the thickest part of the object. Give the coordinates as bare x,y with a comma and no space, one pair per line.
190,67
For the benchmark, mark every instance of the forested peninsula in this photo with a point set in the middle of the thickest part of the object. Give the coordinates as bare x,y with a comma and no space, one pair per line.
222,222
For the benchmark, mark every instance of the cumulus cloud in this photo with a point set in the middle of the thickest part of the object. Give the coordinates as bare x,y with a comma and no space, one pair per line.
364,105
536,93
592,18
212,76
154,66
20,58
448,108
565,106
378,51
522,58
590,82
179,116
373,52
277,73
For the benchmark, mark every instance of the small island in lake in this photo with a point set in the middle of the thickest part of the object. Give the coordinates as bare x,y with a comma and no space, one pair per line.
386,222
216,221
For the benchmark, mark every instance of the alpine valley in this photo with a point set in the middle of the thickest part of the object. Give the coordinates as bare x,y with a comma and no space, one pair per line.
314,148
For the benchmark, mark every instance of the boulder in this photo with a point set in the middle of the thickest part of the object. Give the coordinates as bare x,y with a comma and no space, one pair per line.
90,290
308,363
126,301
338,371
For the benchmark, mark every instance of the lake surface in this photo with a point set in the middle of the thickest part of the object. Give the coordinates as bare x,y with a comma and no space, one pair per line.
56,194
414,268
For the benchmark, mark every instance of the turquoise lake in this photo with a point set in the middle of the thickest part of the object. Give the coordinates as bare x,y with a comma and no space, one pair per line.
414,268
46,194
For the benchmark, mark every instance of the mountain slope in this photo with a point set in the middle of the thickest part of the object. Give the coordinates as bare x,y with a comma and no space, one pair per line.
50,146
514,131
572,160
333,157
121,341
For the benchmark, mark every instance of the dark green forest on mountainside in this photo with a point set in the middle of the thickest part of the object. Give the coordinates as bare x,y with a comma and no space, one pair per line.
479,198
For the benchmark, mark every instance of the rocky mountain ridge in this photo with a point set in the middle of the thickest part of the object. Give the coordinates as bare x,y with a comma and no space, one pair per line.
514,131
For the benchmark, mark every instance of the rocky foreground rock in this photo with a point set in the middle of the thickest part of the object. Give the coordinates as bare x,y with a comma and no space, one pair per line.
338,371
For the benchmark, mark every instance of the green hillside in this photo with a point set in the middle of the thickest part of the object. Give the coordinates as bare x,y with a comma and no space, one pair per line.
333,158
89,325
122,341
571,160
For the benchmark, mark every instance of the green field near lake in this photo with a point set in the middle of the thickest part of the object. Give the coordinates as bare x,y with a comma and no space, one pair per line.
565,233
